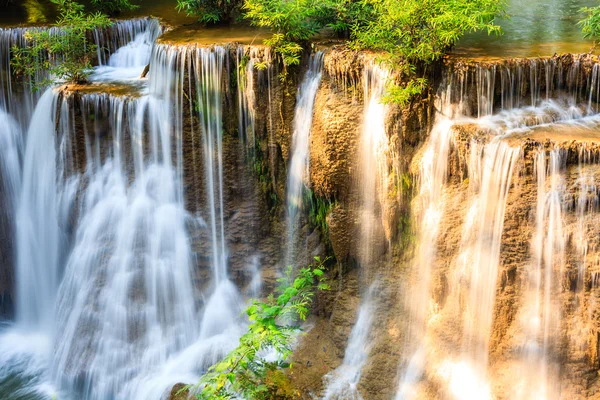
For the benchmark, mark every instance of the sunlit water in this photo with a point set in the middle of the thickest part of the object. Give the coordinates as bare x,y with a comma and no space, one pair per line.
106,306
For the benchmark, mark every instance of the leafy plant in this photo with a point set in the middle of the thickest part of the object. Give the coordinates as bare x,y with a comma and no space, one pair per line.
293,23
113,7
66,53
590,25
245,372
419,32
209,11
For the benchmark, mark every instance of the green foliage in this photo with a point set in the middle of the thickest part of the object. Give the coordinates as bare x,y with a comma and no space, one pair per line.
419,32
65,53
590,25
209,11
293,23
423,30
344,16
318,210
244,373
113,7
401,94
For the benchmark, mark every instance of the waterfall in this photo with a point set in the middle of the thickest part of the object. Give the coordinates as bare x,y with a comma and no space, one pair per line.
37,222
540,314
299,163
126,42
223,307
342,382
10,185
129,44
111,281
433,168
480,253
373,163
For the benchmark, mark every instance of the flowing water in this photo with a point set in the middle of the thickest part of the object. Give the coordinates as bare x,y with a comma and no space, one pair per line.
298,171
114,201
106,302
450,342
342,382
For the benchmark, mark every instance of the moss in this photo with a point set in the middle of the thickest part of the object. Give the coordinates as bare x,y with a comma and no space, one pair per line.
260,169
318,208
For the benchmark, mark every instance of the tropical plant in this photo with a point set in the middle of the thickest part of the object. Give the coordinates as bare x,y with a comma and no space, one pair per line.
419,32
113,7
66,53
293,23
590,25
209,11
245,372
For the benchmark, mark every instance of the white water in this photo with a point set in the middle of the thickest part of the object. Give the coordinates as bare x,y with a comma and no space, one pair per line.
430,208
38,226
343,381
298,171
479,258
129,44
114,313
540,313
373,163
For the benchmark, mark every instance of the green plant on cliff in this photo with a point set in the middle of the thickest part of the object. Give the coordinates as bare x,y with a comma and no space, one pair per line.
318,210
113,7
245,372
415,33
66,53
209,11
590,25
293,23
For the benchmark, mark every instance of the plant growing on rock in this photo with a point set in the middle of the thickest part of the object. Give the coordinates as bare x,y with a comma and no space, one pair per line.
590,25
66,53
245,372
293,23
419,32
209,11
113,7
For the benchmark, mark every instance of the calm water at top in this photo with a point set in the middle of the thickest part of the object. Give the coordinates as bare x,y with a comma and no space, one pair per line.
535,28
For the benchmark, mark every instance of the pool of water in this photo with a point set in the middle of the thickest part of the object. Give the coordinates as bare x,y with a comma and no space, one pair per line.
534,28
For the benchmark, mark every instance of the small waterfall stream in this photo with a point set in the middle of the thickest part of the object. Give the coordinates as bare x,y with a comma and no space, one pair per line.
299,162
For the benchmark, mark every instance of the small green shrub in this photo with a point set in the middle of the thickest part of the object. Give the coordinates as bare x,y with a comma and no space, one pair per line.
209,11
65,53
420,32
590,25
245,373
293,23
113,7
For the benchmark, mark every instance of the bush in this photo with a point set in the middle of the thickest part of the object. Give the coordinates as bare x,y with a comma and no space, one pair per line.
113,7
66,53
590,25
209,11
421,32
293,21
244,372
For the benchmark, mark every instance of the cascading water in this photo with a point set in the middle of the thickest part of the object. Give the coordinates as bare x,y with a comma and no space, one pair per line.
540,317
373,161
38,226
480,252
373,183
129,45
299,162
127,322
342,382
430,208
